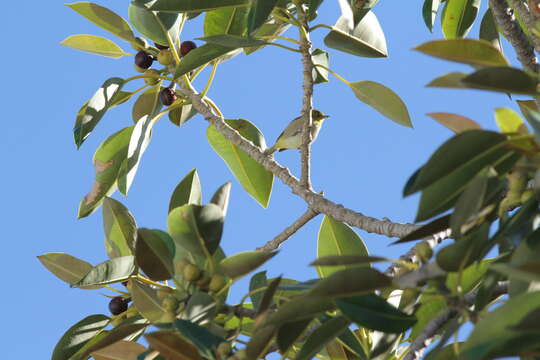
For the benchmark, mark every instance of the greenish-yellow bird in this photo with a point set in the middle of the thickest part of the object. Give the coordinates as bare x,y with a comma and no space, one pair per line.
291,137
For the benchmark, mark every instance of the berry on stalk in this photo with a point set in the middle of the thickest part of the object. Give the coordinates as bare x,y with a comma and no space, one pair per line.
118,305
186,47
143,59
167,96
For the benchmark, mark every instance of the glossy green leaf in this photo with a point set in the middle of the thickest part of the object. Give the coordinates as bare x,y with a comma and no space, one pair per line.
195,5
245,262
147,104
188,191
340,284
121,97
201,307
229,20
502,79
274,27
92,111
259,12
203,339
325,333
454,122
462,253
95,45
221,197
300,308
466,51
469,203
259,342
289,333
268,297
340,260
110,271
458,17
489,31
429,12
196,228
320,57
128,331
257,281
429,307
200,56
154,25
533,118
66,267
426,230
119,227
107,161
172,346
179,115
313,5
508,120
253,177
154,254
382,99
468,279
104,18
337,238
78,335
146,301
451,80
365,40
233,41
373,312
119,350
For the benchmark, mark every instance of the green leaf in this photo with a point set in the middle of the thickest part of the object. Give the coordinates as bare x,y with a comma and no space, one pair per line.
188,191
325,333
233,41
119,227
375,313
533,118
458,17
502,79
200,308
195,5
429,12
110,271
465,51
268,296
320,57
454,122
243,263
429,307
365,40
154,254
119,350
121,97
337,238
259,342
154,25
382,99
462,283
274,27
313,5
128,331
340,260
426,230
451,80
146,301
172,346
66,267
196,228
508,120
253,177
340,284
78,335
147,104
230,21
95,45
462,253
489,31
289,333
221,197
200,56
259,12
104,18
301,308
92,111
257,281
203,339
180,115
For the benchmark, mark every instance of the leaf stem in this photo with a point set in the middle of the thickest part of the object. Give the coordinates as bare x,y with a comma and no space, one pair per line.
280,38
321,26
198,71
284,47
348,83
151,282
115,290
210,79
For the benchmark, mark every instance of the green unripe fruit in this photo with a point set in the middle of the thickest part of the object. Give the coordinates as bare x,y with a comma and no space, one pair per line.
165,57
217,283
527,194
138,68
170,303
224,349
164,292
203,281
168,317
179,266
191,272
151,77
139,43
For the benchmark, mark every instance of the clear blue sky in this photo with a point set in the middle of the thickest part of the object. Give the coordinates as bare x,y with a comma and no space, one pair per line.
360,159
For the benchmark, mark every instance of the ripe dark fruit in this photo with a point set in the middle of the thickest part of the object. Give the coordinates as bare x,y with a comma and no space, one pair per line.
186,47
118,305
143,59
167,96
161,47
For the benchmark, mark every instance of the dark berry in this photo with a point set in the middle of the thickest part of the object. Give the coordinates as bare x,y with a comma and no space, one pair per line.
161,47
143,59
186,47
118,305
167,96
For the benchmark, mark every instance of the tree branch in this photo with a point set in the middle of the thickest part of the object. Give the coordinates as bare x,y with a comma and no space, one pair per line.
512,31
528,19
316,202
289,231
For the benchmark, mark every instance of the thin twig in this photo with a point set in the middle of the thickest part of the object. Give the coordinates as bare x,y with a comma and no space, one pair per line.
315,201
288,232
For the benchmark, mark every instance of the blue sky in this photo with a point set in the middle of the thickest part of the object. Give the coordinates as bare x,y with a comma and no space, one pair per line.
360,159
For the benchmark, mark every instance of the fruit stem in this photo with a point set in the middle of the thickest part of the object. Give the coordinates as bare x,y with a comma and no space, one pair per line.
210,79
333,73
115,290
198,71
150,282
145,76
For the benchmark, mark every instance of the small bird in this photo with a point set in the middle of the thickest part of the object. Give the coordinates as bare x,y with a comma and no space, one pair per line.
291,137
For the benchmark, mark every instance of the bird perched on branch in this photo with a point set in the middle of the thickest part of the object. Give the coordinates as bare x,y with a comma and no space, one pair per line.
291,137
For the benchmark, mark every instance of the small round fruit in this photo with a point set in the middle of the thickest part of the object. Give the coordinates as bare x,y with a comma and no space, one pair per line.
118,305
527,194
161,47
167,96
143,59
170,303
165,57
179,266
164,292
203,281
186,47
191,272
217,282
139,43
151,77
224,349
